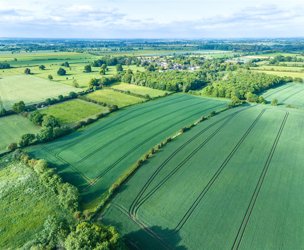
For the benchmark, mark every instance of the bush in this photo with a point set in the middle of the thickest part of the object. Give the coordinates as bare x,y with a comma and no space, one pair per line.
87,69
93,236
27,139
274,102
12,146
19,107
27,71
61,72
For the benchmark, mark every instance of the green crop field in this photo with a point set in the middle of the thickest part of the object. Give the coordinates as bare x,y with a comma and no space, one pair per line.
73,111
93,158
29,89
208,189
12,128
25,205
114,98
37,58
140,90
280,68
281,73
288,94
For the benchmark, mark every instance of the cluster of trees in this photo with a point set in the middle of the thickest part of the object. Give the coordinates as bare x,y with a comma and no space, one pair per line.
114,60
59,233
279,58
51,129
5,65
168,80
244,84
104,81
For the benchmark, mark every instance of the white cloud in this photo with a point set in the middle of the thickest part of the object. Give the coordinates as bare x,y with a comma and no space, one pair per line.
106,19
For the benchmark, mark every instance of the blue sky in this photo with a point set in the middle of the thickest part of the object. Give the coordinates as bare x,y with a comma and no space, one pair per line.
151,19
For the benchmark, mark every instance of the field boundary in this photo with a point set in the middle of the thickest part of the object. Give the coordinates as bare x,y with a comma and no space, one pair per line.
136,204
131,171
73,142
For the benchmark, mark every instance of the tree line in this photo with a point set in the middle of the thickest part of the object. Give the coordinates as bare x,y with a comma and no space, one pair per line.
244,84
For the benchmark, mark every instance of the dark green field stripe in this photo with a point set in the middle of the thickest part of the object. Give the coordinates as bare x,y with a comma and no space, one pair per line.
211,181
217,173
156,119
133,130
75,170
278,91
142,143
114,123
292,95
258,187
137,201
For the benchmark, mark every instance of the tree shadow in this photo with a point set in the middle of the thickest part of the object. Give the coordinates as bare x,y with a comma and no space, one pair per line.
141,239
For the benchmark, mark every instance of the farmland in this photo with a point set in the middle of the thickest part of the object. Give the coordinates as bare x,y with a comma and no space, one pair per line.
140,90
35,58
12,128
295,72
93,158
29,89
25,205
186,197
287,94
73,111
114,98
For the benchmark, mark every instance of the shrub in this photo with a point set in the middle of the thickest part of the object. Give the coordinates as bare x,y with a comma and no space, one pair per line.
12,146
27,71
274,102
61,72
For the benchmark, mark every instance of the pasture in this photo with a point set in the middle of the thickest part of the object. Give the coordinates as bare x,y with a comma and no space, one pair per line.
287,94
112,97
47,57
73,111
25,205
208,189
29,89
12,128
74,74
94,157
139,90
294,72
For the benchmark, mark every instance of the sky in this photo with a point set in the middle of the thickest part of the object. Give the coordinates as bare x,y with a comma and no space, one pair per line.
189,19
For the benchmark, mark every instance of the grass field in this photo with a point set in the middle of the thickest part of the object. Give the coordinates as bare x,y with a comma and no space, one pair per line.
281,68
25,205
75,73
12,128
95,157
186,197
48,57
29,89
287,94
114,98
291,73
74,111
140,90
